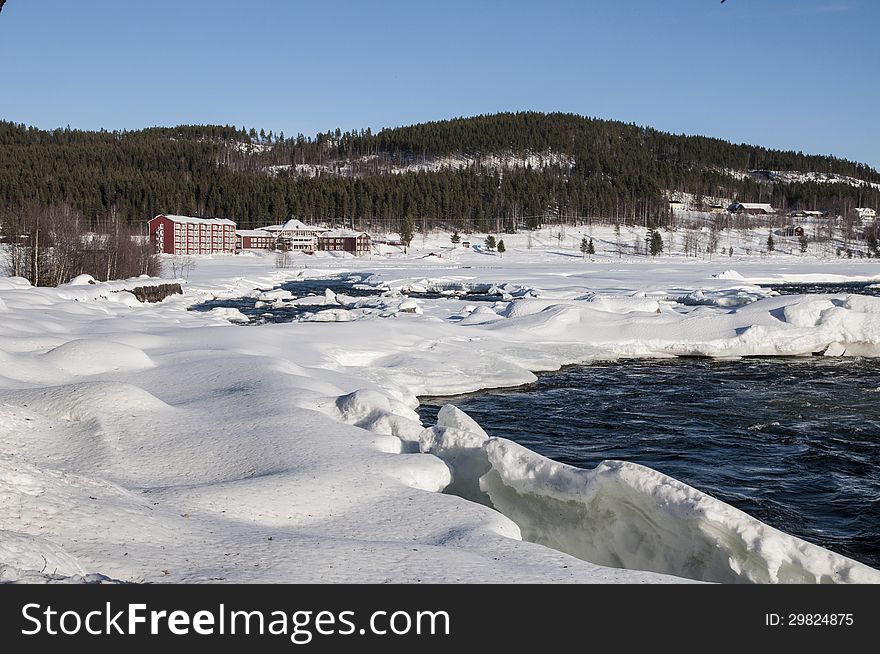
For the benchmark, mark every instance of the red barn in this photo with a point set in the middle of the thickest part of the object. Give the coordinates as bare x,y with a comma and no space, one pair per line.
187,235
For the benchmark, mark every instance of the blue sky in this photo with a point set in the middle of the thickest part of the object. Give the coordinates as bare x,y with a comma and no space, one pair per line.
793,74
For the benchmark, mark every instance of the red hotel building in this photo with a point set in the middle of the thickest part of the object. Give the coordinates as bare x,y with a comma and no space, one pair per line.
187,235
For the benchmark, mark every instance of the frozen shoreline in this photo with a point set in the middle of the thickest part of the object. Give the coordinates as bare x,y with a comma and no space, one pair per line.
184,443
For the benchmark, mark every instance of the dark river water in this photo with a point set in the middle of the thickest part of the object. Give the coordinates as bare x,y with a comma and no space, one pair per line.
793,442
860,288
346,285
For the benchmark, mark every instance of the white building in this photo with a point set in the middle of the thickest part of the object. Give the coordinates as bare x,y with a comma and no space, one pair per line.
865,214
295,235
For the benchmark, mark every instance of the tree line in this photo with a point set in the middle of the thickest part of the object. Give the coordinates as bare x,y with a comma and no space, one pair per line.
51,245
618,173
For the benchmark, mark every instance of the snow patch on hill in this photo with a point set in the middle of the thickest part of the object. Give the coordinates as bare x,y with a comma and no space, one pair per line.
797,177
491,161
372,163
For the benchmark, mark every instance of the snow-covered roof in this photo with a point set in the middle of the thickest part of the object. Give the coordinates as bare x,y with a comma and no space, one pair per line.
196,221
294,225
755,205
865,211
253,232
342,233
386,238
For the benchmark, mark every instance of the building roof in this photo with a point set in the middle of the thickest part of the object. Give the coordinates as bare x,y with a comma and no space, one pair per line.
294,225
253,232
196,221
342,233
754,205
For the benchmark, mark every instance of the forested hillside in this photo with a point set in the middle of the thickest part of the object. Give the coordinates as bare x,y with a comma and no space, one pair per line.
564,167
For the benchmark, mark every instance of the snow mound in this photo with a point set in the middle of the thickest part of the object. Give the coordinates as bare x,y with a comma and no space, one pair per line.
379,413
480,316
555,320
729,274
806,314
728,297
862,303
330,315
625,304
13,283
277,294
526,307
92,357
229,313
82,280
99,401
409,305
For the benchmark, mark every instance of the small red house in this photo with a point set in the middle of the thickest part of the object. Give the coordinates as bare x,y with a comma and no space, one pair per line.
172,234
345,240
254,239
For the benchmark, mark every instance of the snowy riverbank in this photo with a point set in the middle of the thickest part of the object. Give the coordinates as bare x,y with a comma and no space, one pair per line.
152,443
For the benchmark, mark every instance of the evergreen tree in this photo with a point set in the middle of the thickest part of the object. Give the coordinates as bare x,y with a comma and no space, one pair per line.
730,251
802,242
490,243
655,242
455,238
407,230
771,244
501,247
591,249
